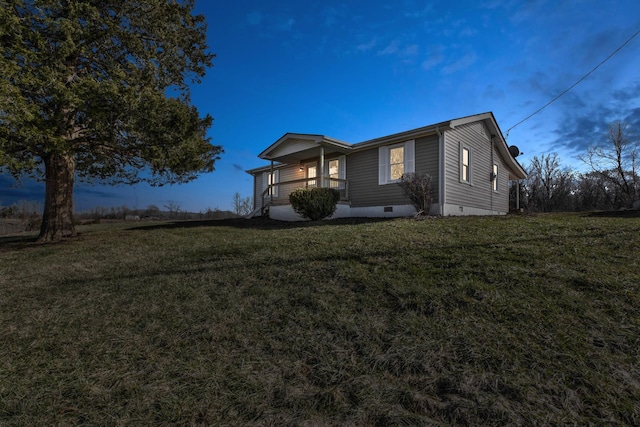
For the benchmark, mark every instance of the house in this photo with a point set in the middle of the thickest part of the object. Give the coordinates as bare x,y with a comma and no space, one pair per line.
468,159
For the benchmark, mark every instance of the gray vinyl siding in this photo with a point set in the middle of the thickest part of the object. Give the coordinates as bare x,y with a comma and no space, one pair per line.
288,173
479,194
257,191
362,175
501,197
428,160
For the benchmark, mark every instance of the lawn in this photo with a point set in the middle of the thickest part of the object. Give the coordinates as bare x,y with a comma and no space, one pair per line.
517,320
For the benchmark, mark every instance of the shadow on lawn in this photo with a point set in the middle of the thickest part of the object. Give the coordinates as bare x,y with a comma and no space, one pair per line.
258,223
18,242
627,213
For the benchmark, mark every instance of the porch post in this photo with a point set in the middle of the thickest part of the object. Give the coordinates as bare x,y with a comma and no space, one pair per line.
321,184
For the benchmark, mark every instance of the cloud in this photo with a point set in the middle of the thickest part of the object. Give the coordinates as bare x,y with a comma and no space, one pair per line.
435,57
494,93
92,191
633,120
576,133
284,24
468,32
391,49
270,23
586,116
411,50
364,47
12,191
420,13
255,18
395,48
334,15
462,63
628,94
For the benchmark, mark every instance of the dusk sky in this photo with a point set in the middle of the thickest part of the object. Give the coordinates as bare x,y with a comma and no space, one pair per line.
357,70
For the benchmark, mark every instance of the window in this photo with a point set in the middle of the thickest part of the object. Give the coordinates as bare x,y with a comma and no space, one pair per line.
494,177
334,172
466,163
268,182
395,161
312,174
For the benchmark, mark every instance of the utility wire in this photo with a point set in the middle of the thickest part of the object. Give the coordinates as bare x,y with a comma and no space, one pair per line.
573,85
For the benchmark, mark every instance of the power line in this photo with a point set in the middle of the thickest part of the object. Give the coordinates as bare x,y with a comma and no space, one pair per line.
575,84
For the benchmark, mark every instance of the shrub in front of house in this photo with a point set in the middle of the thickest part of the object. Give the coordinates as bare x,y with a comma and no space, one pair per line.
417,187
314,203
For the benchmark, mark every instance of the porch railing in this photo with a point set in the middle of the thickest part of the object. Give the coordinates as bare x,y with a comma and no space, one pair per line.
342,185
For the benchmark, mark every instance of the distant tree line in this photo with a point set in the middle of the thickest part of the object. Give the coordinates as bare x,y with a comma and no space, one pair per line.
31,210
612,181
23,209
171,211
27,215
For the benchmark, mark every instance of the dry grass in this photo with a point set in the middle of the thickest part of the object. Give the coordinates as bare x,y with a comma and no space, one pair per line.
452,321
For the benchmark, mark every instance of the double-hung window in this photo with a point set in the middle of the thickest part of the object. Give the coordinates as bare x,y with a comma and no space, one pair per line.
336,171
395,161
466,163
334,168
268,181
494,177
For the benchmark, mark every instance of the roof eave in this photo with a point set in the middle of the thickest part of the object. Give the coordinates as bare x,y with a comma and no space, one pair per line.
320,140
403,136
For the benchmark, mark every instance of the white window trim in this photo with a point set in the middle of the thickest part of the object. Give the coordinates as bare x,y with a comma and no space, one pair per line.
384,167
468,181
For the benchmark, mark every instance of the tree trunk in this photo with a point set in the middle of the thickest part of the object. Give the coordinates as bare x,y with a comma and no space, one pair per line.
57,220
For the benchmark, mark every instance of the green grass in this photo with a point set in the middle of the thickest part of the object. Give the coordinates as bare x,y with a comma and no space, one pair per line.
524,320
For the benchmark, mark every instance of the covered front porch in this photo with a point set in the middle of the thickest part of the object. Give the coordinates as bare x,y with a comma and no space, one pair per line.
300,161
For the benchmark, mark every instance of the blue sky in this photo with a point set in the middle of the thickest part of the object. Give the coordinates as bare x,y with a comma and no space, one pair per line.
356,70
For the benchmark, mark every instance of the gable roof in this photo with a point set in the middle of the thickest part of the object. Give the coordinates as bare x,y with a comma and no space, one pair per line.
500,142
295,147
292,147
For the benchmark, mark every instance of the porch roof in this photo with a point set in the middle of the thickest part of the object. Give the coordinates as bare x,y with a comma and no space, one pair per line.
293,148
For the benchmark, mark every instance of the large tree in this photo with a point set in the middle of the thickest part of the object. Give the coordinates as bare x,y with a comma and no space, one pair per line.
99,90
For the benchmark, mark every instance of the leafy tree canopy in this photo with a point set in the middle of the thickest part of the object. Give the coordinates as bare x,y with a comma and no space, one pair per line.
99,89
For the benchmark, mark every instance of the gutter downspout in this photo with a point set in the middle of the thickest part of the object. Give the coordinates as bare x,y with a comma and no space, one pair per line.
442,175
